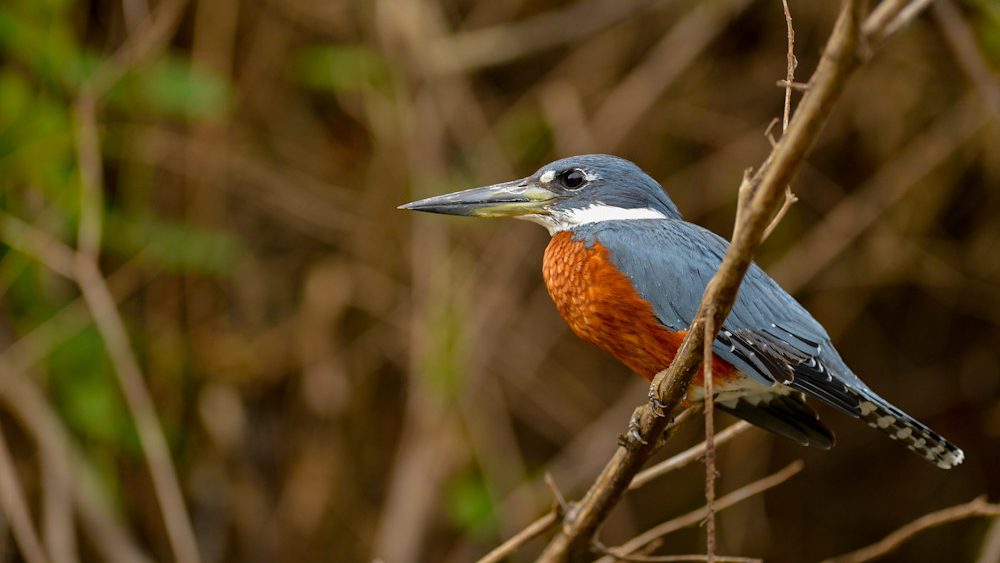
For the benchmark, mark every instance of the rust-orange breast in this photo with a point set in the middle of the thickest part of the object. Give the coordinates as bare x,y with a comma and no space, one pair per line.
602,307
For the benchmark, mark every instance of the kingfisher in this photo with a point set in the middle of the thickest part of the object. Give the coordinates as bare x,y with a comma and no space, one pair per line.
627,273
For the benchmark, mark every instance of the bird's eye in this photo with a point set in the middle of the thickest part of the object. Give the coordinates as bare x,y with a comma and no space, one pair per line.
573,179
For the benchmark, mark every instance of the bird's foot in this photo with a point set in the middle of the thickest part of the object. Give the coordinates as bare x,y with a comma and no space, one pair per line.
632,435
659,408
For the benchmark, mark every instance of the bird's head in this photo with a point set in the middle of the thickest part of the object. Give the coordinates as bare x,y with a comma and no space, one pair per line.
564,194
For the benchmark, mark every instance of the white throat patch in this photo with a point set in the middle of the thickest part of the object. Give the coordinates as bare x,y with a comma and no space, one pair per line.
565,220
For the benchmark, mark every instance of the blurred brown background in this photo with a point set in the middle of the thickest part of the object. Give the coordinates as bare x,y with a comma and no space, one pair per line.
337,380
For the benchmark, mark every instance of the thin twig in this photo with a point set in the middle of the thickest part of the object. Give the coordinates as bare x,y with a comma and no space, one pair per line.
799,86
140,405
678,558
891,183
962,42
13,503
687,457
977,507
792,63
468,50
677,422
533,530
149,40
26,402
692,518
789,84
990,552
888,17
551,519
907,14
790,199
625,105
709,438
32,241
36,344
556,493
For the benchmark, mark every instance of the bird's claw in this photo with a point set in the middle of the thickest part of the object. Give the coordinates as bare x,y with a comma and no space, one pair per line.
632,435
658,407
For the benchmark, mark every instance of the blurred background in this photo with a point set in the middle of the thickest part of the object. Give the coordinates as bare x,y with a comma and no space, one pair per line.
336,380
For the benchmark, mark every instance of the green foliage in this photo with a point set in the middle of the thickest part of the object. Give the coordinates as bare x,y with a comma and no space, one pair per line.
442,362
340,68
469,507
46,61
525,135
172,88
988,27
172,246
87,394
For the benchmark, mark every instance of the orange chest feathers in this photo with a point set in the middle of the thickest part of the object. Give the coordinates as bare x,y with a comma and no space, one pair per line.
602,307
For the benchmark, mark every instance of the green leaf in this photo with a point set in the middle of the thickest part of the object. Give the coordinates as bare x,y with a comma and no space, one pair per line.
85,391
987,24
45,45
525,135
15,97
442,358
172,87
469,507
342,68
175,247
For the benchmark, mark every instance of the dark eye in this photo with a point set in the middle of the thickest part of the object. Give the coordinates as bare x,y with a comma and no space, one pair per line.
573,179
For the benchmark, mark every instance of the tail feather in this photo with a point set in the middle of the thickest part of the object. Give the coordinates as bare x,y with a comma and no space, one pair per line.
785,415
913,434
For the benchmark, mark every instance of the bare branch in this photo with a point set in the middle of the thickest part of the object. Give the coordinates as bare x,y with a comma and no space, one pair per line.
990,552
556,493
800,86
140,405
978,507
709,437
14,504
22,399
40,245
469,50
891,183
687,457
694,517
551,518
790,199
147,41
790,76
625,105
961,40
888,17
535,529
677,558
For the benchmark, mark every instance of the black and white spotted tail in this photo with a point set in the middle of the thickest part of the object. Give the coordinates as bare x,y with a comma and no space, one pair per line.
916,436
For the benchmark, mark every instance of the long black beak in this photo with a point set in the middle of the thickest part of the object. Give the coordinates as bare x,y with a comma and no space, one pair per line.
510,199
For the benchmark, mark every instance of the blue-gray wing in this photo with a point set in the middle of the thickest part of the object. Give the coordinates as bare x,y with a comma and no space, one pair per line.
768,335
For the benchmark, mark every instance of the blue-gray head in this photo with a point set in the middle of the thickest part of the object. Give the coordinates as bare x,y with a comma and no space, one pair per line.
562,194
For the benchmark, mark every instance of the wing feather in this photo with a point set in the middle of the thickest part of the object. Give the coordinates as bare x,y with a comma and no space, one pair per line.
768,335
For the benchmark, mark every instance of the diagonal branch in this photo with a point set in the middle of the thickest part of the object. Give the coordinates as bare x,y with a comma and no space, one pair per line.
695,516
764,193
670,387
675,462
14,504
977,507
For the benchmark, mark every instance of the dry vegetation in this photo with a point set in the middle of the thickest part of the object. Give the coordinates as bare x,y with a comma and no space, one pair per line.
220,340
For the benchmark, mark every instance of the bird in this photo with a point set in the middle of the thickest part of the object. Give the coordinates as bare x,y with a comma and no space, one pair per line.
627,272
